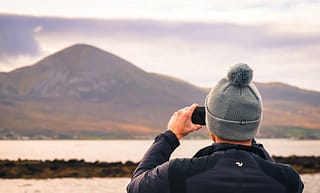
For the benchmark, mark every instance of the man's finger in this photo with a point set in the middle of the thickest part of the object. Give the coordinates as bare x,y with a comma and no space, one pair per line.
185,108
192,108
196,128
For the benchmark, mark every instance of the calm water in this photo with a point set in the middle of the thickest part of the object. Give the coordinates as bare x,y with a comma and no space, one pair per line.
101,185
123,150
120,150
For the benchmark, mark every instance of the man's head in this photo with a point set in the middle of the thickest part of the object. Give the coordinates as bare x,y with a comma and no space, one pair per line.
234,106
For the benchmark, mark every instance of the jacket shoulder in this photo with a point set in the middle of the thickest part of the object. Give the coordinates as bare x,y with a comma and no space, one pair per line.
192,166
184,168
293,179
283,173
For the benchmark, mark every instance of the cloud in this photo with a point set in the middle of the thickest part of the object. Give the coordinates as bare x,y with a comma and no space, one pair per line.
16,37
195,51
244,11
18,33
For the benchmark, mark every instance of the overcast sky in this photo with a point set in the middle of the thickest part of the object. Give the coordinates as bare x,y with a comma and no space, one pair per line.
193,40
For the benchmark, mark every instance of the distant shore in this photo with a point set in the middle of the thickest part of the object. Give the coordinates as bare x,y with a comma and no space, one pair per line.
38,169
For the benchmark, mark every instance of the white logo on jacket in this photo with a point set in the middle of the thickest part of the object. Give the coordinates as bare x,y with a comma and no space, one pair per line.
239,164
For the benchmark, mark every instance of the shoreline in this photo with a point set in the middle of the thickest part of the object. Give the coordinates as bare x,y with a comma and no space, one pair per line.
38,169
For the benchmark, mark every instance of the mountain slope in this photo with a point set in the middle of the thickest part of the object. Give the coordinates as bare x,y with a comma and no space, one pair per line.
290,111
87,73
83,82
280,91
83,91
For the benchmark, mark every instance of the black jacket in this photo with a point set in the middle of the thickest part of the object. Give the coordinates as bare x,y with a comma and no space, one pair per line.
219,168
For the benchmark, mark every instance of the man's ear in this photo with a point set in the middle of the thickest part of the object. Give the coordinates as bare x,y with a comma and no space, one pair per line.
213,137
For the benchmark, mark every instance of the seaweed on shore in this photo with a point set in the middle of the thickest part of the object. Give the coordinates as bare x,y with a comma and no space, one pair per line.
303,164
62,169
38,169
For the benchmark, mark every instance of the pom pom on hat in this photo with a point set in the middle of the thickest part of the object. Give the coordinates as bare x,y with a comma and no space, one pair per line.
240,75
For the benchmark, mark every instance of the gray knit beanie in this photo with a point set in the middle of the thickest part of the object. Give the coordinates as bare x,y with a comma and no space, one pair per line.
234,106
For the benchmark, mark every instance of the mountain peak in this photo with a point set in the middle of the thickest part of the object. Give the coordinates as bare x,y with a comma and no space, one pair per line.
73,70
84,55
85,50
81,46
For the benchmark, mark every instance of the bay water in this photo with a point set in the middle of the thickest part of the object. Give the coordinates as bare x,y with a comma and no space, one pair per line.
120,150
133,150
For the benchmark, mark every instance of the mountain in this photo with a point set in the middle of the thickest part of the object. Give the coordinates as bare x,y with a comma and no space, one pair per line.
87,73
85,92
290,111
280,91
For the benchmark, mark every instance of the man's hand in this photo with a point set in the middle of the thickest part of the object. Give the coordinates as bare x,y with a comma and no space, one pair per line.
180,123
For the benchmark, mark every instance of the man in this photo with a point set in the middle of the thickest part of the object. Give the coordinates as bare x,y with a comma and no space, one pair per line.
235,163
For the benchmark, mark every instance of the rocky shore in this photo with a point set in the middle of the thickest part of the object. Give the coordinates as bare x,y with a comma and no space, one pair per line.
62,169
37,169
303,164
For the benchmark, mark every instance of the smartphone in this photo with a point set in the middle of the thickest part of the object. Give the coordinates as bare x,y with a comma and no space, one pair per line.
199,116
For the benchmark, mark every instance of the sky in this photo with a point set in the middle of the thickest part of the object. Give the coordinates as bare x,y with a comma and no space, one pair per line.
193,40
